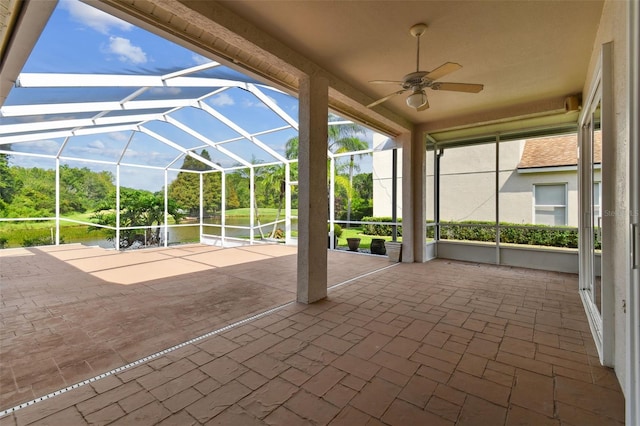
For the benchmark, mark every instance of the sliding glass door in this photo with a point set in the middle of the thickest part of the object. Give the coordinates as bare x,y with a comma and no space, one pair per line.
594,148
591,191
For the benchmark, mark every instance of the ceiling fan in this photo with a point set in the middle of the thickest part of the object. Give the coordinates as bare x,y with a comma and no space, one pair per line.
417,81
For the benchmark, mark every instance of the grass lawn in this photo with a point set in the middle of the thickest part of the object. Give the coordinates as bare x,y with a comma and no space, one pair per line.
263,212
365,240
38,224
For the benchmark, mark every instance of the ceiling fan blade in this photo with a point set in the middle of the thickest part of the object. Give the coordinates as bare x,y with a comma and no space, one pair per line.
423,107
458,87
442,70
389,96
385,82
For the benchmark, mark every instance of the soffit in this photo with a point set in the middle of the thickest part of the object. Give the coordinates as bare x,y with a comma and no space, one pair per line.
8,15
523,52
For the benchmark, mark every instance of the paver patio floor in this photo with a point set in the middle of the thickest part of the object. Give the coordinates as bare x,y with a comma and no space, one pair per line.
72,312
439,343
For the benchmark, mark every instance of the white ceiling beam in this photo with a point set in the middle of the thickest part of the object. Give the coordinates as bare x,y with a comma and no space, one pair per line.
191,70
126,119
43,126
206,140
30,137
272,105
111,80
179,148
105,129
135,94
78,107
75,123
268,131
241,131
37,136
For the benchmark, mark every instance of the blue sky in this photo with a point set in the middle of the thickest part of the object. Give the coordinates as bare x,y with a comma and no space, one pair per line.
81,39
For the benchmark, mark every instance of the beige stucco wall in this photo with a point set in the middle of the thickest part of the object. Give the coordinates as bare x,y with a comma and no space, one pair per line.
468,185
382,172
613,27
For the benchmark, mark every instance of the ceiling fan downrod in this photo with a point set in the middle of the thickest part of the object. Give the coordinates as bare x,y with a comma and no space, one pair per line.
417,30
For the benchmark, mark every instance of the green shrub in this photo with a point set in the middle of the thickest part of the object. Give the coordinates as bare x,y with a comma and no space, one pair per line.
337,230
510,233
381,229
44,240
471,230
458,231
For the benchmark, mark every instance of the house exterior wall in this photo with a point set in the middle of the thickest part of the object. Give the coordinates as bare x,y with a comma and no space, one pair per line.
382,183
468,185
613,27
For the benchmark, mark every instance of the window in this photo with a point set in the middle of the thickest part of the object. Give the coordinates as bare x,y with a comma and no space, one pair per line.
597,198
550,204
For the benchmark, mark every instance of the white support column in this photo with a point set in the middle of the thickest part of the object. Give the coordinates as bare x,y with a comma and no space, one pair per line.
57,242
252,202
117,239
287,203
413,197
312,190
223,206
166,208
201,219
332,201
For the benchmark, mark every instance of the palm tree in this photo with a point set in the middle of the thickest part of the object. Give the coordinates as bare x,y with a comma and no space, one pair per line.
342,138
349,144
273,181
335,133
245,173
291,148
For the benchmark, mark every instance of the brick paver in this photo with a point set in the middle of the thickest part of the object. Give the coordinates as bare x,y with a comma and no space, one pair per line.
440,343
71,312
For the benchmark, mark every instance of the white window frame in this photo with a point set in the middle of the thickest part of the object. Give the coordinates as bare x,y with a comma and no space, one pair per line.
598,219
535,205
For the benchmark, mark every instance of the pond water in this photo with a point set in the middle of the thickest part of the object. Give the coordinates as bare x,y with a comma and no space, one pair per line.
190,231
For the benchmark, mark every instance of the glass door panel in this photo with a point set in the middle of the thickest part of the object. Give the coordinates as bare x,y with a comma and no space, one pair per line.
595,210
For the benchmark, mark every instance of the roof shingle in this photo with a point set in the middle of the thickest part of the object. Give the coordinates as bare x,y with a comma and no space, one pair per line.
555,151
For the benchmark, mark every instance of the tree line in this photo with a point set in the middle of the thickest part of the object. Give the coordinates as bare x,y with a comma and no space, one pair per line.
30,192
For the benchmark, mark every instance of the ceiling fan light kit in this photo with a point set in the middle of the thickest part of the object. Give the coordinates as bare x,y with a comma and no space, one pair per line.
419,80
417,99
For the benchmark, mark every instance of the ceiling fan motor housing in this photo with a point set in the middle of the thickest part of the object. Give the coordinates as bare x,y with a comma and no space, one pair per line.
414,79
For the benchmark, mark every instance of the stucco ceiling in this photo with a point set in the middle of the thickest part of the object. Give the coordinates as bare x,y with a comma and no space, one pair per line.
528,54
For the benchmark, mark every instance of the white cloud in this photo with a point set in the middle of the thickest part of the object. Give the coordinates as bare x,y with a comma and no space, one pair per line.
166,90
257,103
222,99
44,146
94,18
126,51
96,144
119,136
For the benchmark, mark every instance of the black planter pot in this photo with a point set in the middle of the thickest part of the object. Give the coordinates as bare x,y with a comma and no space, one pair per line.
377,246
353,243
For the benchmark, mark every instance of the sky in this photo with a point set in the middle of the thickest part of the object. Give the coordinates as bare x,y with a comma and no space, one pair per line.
81,39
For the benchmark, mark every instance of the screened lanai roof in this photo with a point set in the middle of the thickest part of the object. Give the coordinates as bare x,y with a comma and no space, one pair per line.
171,115
98,89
